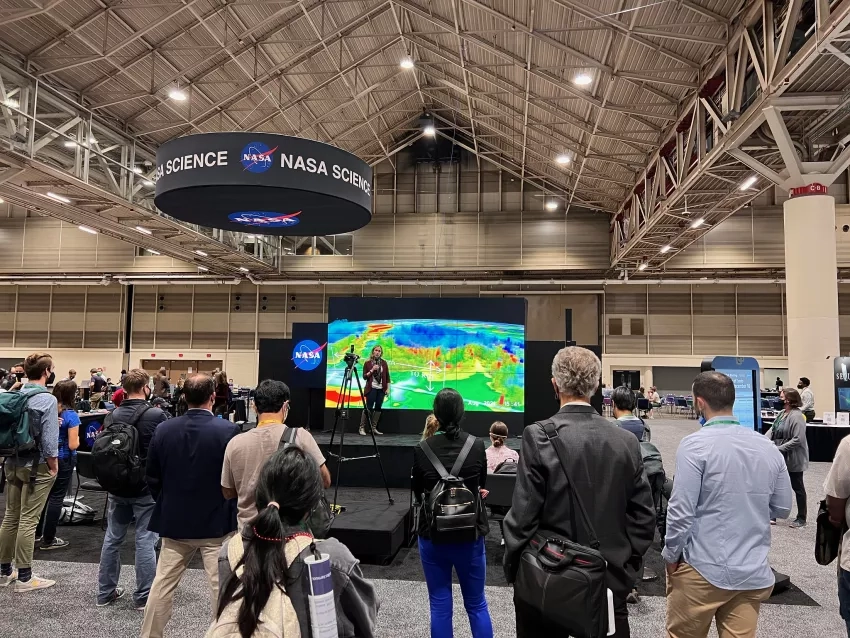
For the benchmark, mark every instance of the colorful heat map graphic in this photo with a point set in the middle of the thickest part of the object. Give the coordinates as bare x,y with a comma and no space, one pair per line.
483,361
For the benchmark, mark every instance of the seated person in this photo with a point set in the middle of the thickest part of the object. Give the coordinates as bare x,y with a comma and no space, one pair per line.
262,574
654,401
624,401
498,452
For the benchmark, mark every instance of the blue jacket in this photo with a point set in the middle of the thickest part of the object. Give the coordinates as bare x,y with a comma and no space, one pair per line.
184,475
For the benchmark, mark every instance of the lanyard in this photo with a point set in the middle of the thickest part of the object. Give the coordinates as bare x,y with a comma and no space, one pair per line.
723,422
268,422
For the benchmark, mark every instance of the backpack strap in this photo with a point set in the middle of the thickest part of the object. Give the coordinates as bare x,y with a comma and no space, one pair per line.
288,437
458,464
464,452
551,430
441,469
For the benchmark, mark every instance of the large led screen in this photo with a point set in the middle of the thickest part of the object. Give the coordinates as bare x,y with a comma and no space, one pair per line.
483,360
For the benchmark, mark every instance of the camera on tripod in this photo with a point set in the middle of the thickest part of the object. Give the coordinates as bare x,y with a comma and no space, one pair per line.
351,358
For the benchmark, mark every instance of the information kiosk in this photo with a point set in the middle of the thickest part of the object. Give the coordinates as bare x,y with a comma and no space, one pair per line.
744,372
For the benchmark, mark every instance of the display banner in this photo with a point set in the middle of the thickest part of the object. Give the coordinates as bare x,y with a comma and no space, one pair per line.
263,183
842,383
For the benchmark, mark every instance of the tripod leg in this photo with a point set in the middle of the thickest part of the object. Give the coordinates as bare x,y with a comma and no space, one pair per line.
375,442
345,391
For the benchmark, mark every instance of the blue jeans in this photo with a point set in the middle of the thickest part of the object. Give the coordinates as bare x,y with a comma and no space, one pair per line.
470,563
844,597
119,516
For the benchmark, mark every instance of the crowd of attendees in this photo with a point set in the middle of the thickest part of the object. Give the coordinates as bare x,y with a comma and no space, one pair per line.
246,502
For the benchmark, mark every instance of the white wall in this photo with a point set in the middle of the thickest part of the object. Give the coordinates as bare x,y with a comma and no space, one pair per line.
81,360
241,365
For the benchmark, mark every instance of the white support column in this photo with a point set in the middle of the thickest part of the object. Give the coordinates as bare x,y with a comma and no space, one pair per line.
812,294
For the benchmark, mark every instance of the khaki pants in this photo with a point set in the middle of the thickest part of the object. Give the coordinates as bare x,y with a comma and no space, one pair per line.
692,603
174,558
24,503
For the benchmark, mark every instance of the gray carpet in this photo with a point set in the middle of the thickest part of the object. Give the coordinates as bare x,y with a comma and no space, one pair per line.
68,609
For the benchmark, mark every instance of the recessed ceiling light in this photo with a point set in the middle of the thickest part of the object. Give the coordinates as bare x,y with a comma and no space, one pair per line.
147,182
551,205
243,269
86,229
152,251
177,95
11,102
201,253
665,249
749,183
583,79
429,130
144,230
406,63
643,266
563,158
203,269
698,222
59,198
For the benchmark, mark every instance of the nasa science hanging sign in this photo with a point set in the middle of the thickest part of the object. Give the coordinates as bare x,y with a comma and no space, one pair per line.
263,183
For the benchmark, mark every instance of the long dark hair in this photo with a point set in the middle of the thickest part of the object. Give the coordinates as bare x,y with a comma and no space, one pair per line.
448,408
288,489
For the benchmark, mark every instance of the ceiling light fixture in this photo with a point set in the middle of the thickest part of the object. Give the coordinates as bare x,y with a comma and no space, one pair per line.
201,253
12,103
551,205
141,229
698,222
69,144
643,266
86,229
583,79
58,198
137,170
203,268
243,269
563,158
147,182
406,63
1,200
177,95
429,130
152,251
749,183
665,249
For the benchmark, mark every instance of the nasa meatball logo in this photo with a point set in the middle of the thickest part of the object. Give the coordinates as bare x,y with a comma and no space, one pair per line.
263,219
257,157
307,355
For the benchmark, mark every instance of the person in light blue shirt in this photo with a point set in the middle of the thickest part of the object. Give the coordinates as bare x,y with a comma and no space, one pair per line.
730,481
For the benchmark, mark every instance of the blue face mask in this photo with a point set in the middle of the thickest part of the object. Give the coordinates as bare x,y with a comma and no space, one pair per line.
702,420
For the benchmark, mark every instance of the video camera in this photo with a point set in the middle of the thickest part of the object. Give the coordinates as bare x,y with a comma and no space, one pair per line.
351,358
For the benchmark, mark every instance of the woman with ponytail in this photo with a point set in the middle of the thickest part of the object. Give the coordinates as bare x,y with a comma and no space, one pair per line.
499,453
263,580
467,558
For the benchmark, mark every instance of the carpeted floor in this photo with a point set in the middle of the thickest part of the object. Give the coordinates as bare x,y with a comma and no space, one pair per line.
809,609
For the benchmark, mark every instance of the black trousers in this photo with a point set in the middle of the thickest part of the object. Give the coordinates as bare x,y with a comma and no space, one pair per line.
375,400
530,625
53,508
800,490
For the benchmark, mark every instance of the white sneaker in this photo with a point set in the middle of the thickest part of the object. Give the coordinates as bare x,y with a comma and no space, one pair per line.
5,581
33,584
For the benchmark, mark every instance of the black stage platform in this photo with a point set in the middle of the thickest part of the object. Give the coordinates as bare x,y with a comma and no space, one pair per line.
396,452
374,530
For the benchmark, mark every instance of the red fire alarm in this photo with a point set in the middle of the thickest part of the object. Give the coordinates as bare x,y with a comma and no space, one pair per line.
180,355
209,356
153,355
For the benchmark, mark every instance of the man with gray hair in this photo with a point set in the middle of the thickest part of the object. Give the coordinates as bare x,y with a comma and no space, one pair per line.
607,470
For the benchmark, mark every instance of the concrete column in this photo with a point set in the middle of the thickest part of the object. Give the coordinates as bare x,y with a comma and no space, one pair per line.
812,294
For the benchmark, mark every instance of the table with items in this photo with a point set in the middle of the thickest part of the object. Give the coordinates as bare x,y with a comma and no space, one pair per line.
823,440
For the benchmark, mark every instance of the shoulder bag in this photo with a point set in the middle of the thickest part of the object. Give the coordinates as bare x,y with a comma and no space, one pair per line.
561,579
321,519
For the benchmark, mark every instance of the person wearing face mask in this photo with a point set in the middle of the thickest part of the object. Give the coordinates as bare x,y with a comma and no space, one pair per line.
730,481
139,503
789,435
808,399
376,372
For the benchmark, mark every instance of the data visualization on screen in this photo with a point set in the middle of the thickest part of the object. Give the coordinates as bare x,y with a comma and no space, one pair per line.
484,361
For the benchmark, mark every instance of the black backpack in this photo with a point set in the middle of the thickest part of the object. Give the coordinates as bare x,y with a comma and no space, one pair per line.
115,456
451,508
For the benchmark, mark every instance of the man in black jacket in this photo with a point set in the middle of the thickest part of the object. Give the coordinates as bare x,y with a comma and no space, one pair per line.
125,506
191,514
607,470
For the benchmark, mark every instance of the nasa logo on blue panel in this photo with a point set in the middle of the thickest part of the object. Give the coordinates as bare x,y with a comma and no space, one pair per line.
257,157
92,430
307,355
264,219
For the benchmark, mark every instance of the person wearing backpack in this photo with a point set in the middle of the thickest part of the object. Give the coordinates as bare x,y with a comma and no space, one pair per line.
263,578
118,455
449,475
29,439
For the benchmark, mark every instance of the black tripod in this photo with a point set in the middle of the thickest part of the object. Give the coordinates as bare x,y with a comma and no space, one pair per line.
343,407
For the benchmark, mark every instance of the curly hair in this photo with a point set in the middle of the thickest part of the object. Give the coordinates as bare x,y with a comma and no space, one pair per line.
576,371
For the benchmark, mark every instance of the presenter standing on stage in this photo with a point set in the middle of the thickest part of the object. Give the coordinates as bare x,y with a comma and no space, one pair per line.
376,373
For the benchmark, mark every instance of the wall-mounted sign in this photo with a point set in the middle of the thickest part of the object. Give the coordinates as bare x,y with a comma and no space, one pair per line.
263,183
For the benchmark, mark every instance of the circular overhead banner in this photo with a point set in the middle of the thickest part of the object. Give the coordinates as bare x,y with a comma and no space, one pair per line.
263,183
